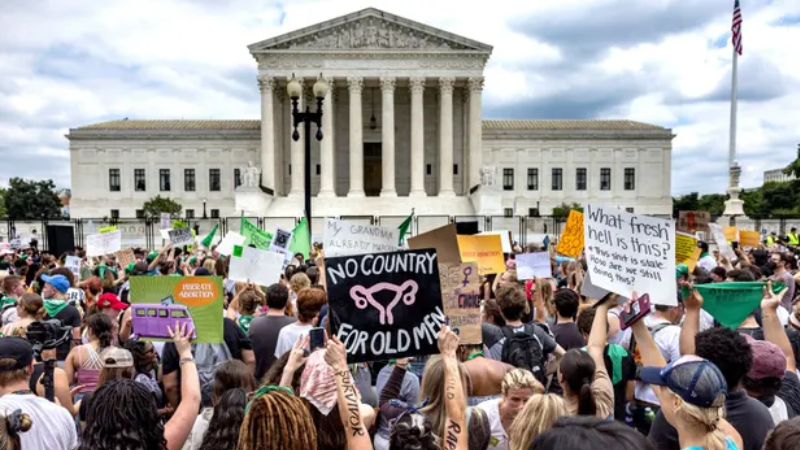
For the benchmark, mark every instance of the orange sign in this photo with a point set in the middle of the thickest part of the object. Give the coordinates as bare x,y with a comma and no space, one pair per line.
731,234
486,250
195,291
692,263
749,238
571,241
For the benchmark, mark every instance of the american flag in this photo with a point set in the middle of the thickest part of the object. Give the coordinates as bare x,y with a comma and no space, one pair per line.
736,27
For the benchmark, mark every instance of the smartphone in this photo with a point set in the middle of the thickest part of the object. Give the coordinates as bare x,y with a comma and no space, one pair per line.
639,309
316,338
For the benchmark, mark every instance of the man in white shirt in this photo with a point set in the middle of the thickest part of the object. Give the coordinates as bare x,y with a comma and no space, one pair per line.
662,325
518,386
706,260
309,304
52,426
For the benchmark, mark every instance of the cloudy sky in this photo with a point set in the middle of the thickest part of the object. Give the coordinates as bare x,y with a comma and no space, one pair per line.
69,63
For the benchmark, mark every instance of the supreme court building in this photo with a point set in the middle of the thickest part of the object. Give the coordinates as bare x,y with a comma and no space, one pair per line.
402,126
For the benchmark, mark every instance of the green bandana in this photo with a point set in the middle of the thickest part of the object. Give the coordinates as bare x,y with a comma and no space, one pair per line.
54,306
703,255
8,301
102,271
263,390
244,322
731,303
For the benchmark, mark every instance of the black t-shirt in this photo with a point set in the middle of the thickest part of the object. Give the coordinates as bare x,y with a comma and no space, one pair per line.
790,393
264,333
68,316
568,336
234,338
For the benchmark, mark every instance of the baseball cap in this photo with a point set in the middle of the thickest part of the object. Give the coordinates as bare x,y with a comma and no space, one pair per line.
17,349
109,300
116,358
768,361
151,256
696,380
59,282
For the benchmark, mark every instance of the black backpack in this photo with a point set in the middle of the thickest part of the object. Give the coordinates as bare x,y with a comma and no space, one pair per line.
524,350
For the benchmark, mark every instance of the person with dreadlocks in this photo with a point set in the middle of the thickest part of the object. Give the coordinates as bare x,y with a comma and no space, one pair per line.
123,414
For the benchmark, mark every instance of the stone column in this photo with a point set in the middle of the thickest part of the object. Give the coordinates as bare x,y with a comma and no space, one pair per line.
446,137
297,148
356,84
475,132
266,84
417,87
326,145
387,134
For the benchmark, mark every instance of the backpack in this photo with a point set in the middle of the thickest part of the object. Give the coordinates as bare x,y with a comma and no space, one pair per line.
207,358
524,350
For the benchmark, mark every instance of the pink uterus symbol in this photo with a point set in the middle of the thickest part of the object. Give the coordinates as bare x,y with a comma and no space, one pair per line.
363,296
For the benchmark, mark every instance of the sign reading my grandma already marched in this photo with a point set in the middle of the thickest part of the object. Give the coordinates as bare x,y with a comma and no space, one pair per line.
347,238
629,252
385,305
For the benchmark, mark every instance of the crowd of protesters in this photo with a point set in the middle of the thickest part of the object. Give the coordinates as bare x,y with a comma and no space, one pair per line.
555,370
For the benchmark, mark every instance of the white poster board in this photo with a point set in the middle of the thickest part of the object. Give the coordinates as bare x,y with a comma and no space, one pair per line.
181,237
724,248
225,247
165,221
533,265
505,239
251,265
103,244
588,289
629,252
73,263
165,233
344,238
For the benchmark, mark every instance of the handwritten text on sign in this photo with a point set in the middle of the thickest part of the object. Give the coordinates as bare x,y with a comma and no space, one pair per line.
181,236
571,241
628,252
103,244
462,300
343,238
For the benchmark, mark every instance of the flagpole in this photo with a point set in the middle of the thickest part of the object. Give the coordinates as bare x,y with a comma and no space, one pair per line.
734,206
734,99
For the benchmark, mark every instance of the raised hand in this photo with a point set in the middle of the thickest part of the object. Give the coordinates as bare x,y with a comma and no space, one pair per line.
448,341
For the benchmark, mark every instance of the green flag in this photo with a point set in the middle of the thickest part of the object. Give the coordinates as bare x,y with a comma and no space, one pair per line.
301,241
404,227
731,303
210,237
254,235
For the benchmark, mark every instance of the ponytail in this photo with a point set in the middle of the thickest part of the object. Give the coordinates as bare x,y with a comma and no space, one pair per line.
577,368
586,404
715,438
102,328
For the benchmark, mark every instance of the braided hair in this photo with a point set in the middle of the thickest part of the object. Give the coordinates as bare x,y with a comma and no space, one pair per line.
123,416
277,420
224,426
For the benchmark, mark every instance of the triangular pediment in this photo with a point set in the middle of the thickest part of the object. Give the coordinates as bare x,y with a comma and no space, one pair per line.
369,29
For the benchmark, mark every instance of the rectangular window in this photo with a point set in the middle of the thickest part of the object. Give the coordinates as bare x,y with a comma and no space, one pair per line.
151,312
605,179
630,179
140,214
138,180
533,179
141,313
558,180
508,212
455,169
290,169
190,214
113,180
533,212
630,210
163,313
580,179
213,180
178,314
428,169
508,179
215,214
188,180
115,214
163,179
318,169
237,178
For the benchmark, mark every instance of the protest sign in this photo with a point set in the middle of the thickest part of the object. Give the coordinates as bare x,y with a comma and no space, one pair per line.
125,257
385,305
628,252
180,237
73,263
443,239
178,224
103,244
343,238
107,229
684,247
693,221
487,251
460,284
230,240
571,241
255,236
280,242
165,233
589,290
252,265
533,265
731,303
749,238
692,262
172,299
165,218
719,236
505,239
731,234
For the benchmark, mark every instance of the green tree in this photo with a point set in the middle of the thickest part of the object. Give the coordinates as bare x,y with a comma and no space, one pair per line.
561,212
794,169
754,205
2,202
780,197
688,202
155,206
713,203
32,199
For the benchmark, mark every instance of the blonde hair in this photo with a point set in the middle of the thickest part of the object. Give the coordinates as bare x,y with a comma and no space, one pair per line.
210,265
536,417
432,387
705,417
299,281
520,379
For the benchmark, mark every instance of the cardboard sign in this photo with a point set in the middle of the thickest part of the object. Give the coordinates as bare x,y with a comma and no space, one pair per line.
385,305
629,252
505,239
343,238
719,236
731,234
108,229
230,240
165,220
693,221
443,239
749,238
571,241
533,265
685,245
180,237
73,263
251,265
125,257
731,303
693,260
171,299
461,299
103,244
487,251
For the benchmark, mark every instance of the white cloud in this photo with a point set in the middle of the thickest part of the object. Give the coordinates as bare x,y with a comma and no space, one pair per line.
66,64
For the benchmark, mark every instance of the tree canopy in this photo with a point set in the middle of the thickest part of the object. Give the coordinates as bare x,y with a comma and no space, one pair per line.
31,199
561,212
157,205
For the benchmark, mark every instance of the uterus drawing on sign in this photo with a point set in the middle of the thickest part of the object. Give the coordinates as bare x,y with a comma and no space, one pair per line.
363,297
